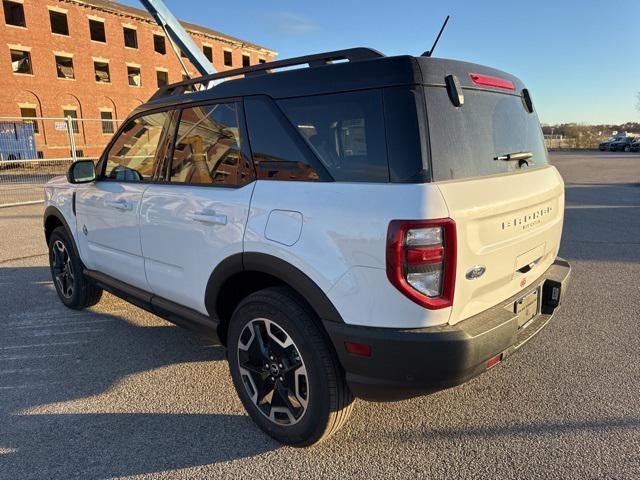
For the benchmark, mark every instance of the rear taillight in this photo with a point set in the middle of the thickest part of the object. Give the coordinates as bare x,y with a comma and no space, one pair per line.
421,260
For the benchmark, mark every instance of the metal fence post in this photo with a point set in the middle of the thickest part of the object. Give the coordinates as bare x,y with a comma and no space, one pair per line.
72,140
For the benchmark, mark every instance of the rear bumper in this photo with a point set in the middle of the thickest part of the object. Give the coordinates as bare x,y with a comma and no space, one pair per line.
410,362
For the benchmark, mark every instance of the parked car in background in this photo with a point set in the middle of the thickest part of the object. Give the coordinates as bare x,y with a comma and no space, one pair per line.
605,145
622,144
635,145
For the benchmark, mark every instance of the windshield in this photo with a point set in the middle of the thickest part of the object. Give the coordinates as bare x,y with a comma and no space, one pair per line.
491,133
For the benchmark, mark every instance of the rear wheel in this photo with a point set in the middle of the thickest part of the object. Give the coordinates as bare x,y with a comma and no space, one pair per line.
74,289
284,369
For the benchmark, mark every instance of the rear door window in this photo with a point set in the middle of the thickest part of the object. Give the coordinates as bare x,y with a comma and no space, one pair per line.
345,131
467,141
207,149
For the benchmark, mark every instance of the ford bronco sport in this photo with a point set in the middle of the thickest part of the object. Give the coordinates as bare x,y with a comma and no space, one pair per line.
375,227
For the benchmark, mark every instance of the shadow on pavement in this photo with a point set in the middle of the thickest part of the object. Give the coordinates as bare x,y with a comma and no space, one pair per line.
52,354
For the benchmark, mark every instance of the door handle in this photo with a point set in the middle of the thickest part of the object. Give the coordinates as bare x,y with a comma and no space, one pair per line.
121,205
208,216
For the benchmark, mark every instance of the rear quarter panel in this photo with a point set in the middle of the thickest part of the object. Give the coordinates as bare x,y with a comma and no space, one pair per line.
342,242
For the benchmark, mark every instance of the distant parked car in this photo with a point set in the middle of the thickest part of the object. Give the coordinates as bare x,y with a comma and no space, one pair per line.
635,145
622,144
605,145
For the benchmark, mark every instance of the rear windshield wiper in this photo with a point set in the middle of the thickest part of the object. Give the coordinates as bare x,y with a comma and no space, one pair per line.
514,156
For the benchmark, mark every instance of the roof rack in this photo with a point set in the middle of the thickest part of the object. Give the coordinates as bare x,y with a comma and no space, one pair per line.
351,54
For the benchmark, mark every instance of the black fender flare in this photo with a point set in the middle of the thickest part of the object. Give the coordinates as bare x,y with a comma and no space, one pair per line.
52,211
276,267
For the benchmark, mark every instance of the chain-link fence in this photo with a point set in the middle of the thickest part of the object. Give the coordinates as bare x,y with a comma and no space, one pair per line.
33,150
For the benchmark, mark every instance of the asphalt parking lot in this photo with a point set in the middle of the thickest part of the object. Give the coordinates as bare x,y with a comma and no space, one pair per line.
117,392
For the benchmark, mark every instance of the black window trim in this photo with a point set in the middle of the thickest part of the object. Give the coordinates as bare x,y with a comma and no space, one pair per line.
245,151
296,137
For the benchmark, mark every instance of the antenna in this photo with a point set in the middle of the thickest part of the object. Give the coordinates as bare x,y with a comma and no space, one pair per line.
428,53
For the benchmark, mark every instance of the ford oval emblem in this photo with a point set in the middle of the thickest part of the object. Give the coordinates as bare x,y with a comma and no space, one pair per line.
475,272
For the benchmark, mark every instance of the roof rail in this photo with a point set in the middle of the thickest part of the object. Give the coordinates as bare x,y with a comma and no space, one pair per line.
351,54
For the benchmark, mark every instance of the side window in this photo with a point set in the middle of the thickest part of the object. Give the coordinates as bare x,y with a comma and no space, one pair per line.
346,132
207,150
277,154
132,157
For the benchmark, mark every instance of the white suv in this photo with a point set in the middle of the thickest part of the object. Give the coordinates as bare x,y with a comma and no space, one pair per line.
380,227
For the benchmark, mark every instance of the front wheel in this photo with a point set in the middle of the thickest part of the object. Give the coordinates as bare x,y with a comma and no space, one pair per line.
74,289
284,369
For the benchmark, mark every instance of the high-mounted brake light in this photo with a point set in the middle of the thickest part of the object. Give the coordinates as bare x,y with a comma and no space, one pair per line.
489,81
421,260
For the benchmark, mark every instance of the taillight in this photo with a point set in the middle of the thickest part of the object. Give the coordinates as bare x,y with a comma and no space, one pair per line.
489,81
421,260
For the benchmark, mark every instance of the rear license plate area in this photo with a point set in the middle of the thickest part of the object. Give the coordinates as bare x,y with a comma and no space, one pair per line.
527,307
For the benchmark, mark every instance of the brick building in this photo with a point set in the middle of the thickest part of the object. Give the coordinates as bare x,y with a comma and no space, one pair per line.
93,59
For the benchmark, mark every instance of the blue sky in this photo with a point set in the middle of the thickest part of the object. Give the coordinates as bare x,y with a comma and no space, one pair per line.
580,59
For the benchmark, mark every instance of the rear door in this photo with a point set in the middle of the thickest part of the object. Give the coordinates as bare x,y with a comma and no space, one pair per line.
489,161
196,217
107,210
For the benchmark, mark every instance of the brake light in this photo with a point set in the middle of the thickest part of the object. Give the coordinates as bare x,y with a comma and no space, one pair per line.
421,260
489,81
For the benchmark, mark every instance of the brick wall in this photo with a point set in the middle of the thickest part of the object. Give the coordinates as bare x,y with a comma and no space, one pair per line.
50,95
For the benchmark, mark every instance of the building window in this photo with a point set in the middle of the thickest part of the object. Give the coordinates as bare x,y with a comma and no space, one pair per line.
74,123
159,45
134,76
59,23
246,61
107,122
14,14
64,66
130,37
30,114
182,54
208,52
96,30
40,154
162,77
21,62
262,60
102,72
228,59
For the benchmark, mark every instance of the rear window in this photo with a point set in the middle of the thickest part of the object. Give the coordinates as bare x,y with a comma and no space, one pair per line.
465,141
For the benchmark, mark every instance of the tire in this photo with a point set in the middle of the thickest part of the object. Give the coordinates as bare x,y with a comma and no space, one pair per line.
627,149
319,400
74,289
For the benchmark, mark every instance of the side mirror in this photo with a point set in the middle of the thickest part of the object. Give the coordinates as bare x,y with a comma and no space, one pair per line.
82,171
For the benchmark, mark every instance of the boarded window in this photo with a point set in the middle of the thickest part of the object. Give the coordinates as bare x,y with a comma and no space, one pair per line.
96,30
102,72
107,122
30,114
74,123
21,62
59,23
64,67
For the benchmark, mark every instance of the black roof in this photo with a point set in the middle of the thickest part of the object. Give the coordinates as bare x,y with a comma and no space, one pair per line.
330,72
